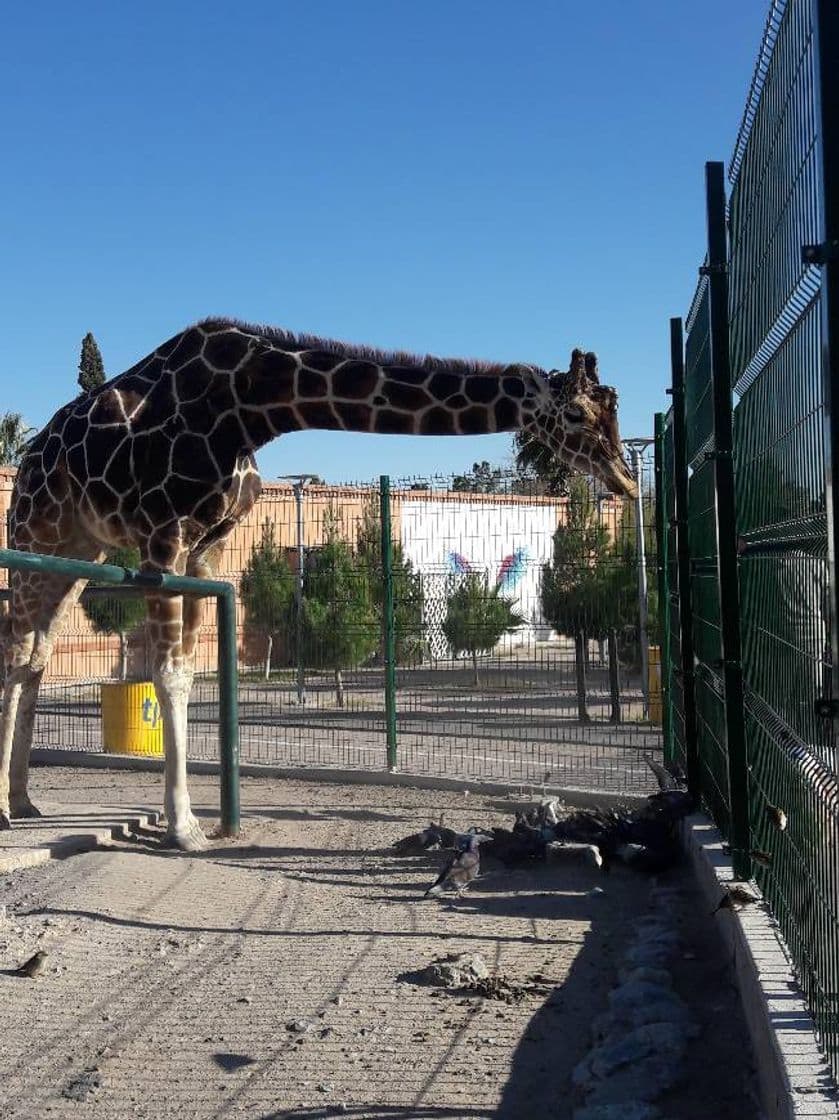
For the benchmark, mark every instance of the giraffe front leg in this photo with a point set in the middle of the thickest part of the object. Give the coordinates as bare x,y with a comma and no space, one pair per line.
172,676
173,686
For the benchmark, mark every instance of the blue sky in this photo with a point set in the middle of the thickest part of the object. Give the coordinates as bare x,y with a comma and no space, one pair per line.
498,180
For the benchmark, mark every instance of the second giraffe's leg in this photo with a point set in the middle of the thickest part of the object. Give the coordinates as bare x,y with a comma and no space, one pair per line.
172,676
40,605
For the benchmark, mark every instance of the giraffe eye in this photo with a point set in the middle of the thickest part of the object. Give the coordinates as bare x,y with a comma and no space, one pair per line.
574,415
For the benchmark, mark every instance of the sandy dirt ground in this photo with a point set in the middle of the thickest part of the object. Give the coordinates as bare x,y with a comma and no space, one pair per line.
265,977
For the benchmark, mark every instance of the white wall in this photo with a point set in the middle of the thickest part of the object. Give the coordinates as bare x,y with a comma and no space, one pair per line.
483,533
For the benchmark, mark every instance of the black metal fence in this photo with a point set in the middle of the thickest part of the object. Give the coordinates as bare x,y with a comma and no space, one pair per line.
748,458
519,652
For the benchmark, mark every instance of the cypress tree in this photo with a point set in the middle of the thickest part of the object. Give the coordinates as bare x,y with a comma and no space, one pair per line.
267,590
477,618
91,367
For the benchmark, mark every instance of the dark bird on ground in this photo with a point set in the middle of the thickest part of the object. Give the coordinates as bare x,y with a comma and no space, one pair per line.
652,859
462,868
34,966
429,840
777,817
513,848
734,896
670,804
528,824
644,839
668,774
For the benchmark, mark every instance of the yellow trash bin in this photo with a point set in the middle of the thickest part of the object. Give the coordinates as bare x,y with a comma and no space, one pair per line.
131,719
654,683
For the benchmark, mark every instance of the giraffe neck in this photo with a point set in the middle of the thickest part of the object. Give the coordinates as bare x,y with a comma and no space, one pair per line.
285,384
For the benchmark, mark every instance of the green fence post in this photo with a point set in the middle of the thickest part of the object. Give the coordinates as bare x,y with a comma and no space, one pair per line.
228,676
661,535
388,624
726,522
680,494
826,255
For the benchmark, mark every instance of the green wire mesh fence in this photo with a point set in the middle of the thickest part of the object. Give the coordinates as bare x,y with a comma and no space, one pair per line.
518,653
759,728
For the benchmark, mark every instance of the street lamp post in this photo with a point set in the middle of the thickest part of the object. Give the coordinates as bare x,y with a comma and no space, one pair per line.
636,451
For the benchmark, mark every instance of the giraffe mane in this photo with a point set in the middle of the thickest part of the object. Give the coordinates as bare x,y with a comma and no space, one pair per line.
360,352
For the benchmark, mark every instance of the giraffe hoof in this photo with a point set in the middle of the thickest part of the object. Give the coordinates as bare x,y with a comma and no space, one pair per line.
190,838
22,808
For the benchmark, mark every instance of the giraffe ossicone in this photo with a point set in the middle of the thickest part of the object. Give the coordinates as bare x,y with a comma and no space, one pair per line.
161,457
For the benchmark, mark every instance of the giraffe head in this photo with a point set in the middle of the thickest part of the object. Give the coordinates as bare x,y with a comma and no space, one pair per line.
577,418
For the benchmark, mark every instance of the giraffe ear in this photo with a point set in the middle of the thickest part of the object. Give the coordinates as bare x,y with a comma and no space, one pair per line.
591,367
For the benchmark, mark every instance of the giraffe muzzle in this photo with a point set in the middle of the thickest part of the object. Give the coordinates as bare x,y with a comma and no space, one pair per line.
620,479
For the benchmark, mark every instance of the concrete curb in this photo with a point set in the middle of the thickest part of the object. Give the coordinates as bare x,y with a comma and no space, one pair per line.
584,798
794,1079
76,842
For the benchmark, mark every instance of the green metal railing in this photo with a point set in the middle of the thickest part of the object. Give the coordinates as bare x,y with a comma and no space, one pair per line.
752,504
224,594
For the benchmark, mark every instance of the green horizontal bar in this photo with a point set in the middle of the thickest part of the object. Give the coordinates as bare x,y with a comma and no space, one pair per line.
112,574
815,545
223,592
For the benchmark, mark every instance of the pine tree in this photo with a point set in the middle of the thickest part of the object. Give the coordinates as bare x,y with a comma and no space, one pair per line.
577,598
340,625
91,367
408,598
477,617
482,479
589,590
118,615
267,590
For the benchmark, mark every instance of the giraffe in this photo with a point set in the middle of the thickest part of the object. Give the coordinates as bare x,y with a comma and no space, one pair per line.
161,458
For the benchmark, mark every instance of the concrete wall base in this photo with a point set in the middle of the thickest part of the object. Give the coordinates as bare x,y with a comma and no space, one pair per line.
794,1078
515,792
